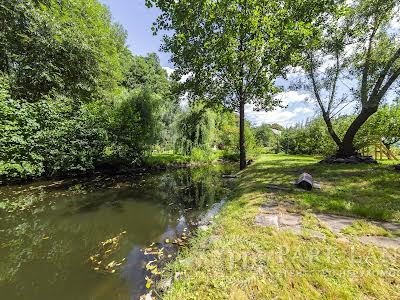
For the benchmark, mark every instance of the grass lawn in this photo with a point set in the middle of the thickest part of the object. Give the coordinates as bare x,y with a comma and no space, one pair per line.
234,259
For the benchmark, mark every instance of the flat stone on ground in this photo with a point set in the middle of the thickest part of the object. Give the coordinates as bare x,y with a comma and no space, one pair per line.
270,207
391,227
335,223
290,220
381,241
267,220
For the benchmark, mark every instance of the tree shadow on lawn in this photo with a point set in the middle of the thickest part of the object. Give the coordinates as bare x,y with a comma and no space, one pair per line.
370,191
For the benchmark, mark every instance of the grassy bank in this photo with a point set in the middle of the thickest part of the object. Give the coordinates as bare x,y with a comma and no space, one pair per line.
234,259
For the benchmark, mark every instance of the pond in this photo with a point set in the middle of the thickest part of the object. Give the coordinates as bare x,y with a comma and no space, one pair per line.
87,239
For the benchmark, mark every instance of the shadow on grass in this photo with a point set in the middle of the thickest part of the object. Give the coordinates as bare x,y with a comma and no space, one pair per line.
370,191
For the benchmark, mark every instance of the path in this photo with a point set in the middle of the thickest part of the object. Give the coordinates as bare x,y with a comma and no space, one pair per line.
276,215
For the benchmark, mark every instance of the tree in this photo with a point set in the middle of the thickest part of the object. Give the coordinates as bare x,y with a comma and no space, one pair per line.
71,48
264,134
356,62
385,125
231,51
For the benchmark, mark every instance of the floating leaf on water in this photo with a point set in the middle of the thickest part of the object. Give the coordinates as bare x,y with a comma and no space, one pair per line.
96,269
148,282
111,265
167,241
45,238
113,271
150,266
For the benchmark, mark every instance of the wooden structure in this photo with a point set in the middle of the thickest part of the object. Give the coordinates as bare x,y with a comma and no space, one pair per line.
379,150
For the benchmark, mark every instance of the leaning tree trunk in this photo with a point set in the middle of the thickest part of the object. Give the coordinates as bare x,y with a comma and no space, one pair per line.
346,148
242,146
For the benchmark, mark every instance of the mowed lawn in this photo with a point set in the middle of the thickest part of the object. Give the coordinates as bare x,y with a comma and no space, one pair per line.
235,259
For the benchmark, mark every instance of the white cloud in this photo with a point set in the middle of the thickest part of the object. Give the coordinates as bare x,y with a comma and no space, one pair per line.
169,70
395,23
283,116
291,97
280,116
302,110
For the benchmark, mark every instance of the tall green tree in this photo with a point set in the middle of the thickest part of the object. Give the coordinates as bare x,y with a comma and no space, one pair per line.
231,51
356,62
71,48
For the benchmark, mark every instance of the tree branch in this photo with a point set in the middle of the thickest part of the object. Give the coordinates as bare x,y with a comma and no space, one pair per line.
334,83
388,84
383,74
364,82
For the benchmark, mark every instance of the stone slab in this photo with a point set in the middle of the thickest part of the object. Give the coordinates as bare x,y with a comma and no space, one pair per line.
267,220
335,223
290,220
381,241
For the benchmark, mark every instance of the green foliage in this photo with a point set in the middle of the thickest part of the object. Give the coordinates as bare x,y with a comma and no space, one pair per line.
201,131
384,125
134,126
48,137
70,139
313,136
70,46
309,138
72,96
202,155
264,135
195,129
18,144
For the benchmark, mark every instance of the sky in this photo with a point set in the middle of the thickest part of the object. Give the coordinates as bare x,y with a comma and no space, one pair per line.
137,19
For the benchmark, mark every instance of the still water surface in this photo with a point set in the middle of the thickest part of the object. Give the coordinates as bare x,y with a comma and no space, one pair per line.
49,230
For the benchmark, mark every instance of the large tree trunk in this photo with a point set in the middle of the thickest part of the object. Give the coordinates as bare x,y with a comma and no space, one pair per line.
346,148
242,140
331,131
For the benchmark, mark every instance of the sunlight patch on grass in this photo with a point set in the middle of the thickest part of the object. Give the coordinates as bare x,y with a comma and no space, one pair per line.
235,259
364,228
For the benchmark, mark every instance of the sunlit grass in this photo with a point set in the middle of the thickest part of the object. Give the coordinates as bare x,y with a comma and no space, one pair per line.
363,228
235,259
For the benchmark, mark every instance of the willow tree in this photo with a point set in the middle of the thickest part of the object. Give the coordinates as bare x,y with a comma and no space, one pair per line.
231,51
356,63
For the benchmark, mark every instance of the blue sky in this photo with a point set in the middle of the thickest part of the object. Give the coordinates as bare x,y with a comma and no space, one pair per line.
137,19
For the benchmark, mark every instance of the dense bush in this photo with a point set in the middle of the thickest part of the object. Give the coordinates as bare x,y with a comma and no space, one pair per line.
72,96
48,137
312,137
